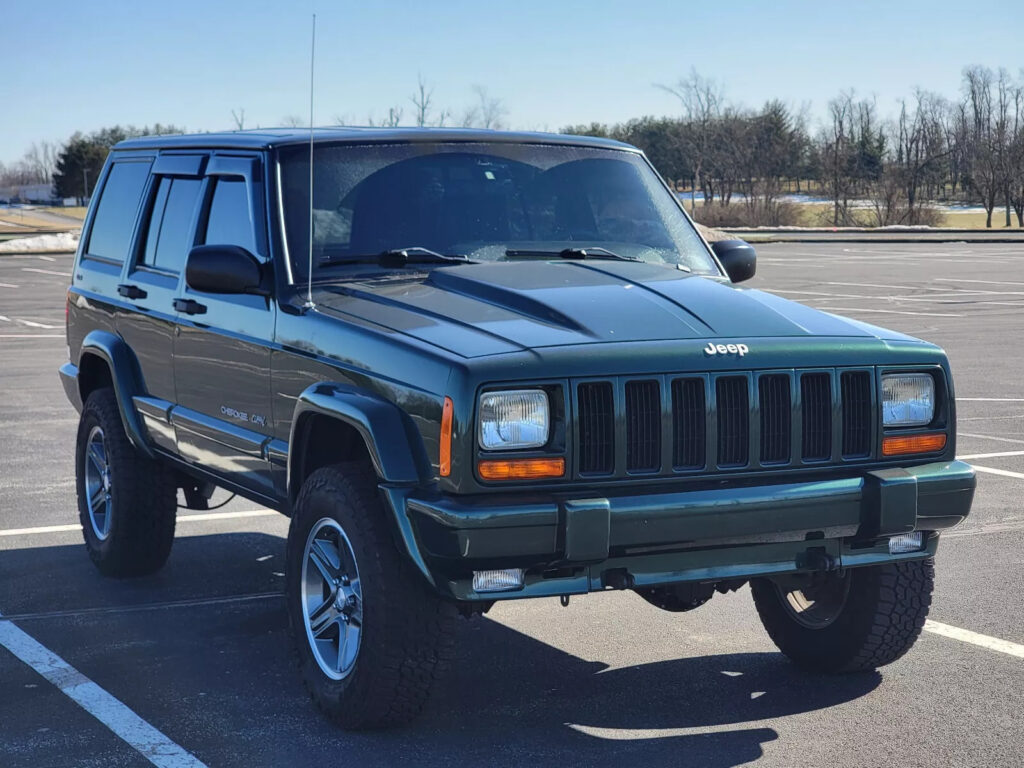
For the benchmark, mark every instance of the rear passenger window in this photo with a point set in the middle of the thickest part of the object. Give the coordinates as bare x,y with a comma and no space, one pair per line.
229,222
114,222
169,236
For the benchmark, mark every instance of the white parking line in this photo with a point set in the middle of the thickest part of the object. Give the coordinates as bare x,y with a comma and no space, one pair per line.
963,280
991,437
990,399
31,335
1002,472
45,258
46,271
888,311
136,732
196,518
966,636
990,455
8,285
34,324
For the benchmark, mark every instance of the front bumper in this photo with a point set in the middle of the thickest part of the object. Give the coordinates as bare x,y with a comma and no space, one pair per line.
572,545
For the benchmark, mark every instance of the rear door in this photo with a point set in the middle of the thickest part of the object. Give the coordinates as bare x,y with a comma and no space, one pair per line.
222,354
107,241
151,280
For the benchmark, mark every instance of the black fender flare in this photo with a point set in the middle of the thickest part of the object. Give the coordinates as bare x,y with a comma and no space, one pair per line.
126,377
392,441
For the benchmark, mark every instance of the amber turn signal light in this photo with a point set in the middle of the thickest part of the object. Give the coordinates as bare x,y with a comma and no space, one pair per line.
446,438
521,469
903,444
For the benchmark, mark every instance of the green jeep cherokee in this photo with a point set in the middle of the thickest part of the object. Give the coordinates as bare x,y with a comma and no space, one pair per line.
483,366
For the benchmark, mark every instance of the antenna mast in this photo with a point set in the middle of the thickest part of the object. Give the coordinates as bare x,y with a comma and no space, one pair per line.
309,266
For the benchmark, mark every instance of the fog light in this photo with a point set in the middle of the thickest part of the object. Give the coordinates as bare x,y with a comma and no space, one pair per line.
498,581
907,542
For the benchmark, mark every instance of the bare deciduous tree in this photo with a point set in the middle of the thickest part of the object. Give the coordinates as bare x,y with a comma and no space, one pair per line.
422,100
701,100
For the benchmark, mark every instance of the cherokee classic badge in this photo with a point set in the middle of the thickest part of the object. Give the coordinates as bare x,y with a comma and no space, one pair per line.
726,349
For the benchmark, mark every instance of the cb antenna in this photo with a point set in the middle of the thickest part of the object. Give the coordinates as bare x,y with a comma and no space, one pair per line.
309,266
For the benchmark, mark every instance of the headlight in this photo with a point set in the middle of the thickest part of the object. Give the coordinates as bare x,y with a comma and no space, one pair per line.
908,399
514,419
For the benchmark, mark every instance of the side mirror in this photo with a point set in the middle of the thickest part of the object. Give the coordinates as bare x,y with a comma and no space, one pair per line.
223,269
738,257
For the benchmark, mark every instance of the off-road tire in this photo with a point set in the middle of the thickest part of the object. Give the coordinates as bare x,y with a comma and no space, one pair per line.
407,630
143,496
883,616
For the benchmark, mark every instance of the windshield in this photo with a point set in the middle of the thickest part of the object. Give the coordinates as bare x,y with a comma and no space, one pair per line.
486,202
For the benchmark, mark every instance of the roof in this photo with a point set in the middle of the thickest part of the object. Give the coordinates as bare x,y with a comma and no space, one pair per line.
267,138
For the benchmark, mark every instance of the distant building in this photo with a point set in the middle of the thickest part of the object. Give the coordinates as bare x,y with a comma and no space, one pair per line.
30,193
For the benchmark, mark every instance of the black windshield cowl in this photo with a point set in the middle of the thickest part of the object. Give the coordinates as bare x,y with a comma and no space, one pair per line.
567,253
398,257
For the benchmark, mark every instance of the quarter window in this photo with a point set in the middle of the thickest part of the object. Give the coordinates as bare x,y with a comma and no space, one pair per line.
114,222
169,237
230,221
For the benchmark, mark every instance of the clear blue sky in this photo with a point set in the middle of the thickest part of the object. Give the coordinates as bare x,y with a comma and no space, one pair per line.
83,65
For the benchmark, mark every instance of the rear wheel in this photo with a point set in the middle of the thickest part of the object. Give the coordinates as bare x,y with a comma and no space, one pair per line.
860,620
370,635
126,502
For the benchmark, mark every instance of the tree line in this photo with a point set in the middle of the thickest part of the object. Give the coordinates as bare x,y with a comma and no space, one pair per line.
872,169
744,163
74,167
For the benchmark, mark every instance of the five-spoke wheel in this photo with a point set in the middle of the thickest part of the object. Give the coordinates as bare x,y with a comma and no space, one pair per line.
332,599
96,470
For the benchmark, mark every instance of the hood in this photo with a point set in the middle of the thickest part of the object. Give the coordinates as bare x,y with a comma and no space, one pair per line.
485,309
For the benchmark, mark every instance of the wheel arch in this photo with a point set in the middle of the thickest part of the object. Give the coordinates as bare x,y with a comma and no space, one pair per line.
106,360
335,422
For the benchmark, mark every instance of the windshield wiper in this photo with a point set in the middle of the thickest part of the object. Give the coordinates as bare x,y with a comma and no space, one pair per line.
568,253
398,257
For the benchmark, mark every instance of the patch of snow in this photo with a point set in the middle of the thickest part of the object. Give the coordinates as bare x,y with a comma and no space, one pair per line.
64,242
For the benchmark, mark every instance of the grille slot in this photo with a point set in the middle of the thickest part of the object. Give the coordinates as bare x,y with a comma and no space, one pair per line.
643,426
689,423
855,389
776,416
596,428
816,393
733,421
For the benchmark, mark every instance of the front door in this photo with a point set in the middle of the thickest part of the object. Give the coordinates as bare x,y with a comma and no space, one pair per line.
151,281
222,353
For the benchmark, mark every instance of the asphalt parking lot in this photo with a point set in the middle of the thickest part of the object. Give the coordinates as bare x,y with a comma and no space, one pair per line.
200,651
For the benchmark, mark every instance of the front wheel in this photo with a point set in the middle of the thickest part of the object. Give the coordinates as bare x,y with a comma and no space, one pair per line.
371,637
857,621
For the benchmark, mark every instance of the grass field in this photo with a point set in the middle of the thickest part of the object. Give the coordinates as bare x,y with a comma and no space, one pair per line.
820,215
16,221
73,211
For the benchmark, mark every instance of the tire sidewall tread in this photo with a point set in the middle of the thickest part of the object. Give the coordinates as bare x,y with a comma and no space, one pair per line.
884,614
143,496
408,631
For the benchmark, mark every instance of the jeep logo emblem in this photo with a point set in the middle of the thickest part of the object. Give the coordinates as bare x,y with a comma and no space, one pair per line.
726,349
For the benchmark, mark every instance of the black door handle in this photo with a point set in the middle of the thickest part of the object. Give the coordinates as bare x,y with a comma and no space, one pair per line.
189,307
131,291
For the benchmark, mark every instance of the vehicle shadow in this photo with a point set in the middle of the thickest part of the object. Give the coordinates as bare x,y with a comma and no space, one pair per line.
218,676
